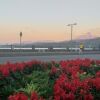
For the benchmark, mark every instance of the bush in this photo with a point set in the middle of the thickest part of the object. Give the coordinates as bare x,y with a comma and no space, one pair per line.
72,79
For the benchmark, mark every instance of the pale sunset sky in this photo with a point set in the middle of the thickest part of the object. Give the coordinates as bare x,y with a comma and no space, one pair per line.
46,20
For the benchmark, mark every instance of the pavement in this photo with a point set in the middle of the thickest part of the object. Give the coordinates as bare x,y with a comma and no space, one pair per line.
46,57
31,53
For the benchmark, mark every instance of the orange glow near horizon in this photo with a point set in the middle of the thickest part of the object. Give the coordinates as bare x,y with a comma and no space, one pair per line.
31,33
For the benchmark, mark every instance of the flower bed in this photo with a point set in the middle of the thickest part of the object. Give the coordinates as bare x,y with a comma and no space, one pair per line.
65,80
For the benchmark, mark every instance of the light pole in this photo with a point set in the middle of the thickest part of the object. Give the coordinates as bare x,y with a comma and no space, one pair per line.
20,38
71,25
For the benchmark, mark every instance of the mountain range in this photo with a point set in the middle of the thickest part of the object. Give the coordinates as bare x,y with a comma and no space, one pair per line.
94,42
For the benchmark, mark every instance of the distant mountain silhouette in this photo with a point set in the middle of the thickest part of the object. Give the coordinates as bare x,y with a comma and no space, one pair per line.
94,42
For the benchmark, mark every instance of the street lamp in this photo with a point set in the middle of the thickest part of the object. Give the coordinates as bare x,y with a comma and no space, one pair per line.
20,38
71,25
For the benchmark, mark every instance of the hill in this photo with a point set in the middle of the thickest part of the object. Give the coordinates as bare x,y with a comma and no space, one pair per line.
95,43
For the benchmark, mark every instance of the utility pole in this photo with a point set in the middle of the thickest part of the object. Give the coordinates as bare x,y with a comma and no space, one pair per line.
71,25
20,39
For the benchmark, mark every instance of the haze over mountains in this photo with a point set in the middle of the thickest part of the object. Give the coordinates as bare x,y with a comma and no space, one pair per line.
89,40
95,43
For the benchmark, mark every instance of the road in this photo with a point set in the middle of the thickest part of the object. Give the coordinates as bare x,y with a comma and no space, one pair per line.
47,57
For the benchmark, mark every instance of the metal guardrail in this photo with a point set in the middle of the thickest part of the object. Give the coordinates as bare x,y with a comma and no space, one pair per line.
48,49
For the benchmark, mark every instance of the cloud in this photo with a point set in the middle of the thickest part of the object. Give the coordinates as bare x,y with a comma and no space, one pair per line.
88,35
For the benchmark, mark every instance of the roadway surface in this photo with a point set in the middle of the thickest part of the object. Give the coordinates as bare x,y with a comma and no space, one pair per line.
46,56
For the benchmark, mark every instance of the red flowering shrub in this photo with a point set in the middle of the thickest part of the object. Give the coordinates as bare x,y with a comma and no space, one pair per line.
5,71
53,70
18,96
34,96
96,83
67,80
98,74
88,97
22,96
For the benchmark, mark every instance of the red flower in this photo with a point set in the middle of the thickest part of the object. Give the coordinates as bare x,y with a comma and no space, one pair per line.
5,71
57,97
88,97
41,98
96,83
70,96
53,70
98,74
18,96
34,96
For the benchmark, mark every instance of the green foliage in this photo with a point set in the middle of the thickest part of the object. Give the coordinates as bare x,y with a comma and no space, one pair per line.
9,84
7,87
39,82
19,78
27,89
96,93
27,70
90,70
84,76
44,87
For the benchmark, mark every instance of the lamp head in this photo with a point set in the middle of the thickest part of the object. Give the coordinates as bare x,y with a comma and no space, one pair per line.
20,34
69,25
75,24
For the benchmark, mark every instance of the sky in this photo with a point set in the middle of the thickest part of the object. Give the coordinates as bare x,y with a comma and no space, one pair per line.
47,20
